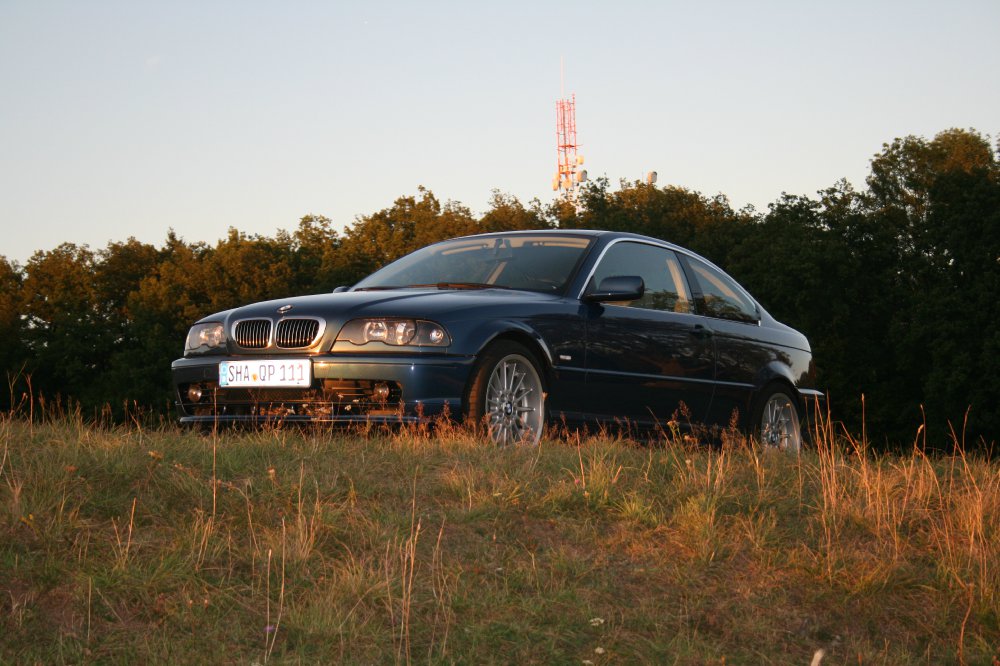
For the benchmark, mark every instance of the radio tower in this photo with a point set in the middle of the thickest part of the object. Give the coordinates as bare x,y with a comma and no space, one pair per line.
568,177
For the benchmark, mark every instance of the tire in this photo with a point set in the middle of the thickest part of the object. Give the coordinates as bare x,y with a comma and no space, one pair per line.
506,395
777,423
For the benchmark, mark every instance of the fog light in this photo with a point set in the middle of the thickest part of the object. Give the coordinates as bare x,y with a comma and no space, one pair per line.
381,392
194,393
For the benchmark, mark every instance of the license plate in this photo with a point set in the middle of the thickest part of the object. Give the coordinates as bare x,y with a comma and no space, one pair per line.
290,372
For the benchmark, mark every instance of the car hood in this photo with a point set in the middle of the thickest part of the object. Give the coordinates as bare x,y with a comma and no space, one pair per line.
445,306
417,303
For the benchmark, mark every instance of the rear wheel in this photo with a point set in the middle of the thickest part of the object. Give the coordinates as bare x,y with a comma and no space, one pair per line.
506,395
777,421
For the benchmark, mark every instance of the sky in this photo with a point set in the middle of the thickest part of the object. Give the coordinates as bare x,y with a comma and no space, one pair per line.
127,119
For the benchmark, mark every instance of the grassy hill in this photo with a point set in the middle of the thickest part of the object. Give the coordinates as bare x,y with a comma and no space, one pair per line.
130,545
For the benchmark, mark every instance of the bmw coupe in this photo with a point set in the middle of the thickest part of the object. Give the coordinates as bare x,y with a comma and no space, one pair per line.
511,331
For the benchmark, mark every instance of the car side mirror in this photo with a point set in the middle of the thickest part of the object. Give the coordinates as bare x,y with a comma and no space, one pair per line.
617,288
341,289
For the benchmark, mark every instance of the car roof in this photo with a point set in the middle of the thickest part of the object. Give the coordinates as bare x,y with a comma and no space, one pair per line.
592,233
555,232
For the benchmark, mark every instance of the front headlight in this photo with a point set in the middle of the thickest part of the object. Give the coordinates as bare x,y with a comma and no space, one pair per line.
395,332
204,337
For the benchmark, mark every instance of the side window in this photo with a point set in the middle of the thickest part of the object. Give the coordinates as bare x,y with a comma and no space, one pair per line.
659,269
722,297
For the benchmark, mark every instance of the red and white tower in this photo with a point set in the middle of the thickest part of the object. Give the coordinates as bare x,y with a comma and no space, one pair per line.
568,174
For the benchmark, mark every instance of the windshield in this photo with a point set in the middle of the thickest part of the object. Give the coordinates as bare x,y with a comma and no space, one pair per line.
544,263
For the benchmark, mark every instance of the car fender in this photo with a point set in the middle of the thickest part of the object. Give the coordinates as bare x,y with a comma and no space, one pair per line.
489,331
774,371
521,330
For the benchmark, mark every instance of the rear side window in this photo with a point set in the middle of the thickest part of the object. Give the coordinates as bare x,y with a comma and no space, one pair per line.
722,297
659,269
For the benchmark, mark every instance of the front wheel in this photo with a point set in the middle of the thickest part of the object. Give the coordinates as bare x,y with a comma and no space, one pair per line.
777,421
507,396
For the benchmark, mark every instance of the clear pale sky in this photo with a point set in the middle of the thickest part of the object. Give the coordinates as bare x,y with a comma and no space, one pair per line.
123,119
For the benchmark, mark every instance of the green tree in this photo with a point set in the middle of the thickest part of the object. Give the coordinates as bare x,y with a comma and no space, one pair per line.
675,214
903,174
244,269
67,343
408,225
938,198
955,308
314,256
179,291
507,213
118,271
12,353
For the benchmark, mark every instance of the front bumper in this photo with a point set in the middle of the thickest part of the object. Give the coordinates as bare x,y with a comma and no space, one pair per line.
356,389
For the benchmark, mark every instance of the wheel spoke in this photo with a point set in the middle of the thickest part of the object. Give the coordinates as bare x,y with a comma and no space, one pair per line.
510,373
517,382
521,395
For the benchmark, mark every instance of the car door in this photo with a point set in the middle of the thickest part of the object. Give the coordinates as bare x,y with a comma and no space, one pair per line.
735,323
651,358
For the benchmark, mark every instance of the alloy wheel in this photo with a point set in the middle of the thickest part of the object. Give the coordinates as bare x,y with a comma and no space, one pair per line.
779,424
514,401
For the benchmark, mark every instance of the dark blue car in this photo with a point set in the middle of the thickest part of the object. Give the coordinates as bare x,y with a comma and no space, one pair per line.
512,331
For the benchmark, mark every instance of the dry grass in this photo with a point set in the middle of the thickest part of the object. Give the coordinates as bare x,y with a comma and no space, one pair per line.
126,544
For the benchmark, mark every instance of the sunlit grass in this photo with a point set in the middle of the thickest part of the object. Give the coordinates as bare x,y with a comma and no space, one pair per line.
125,544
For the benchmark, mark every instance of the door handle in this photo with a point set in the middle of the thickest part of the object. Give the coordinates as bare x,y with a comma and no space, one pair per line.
701,332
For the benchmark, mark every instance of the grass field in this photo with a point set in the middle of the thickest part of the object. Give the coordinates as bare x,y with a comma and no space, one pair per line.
131,545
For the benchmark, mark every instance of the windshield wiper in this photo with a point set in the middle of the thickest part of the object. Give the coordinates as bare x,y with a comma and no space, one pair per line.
436,285
460,285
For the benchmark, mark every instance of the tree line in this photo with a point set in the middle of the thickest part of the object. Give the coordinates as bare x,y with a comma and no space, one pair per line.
897,285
